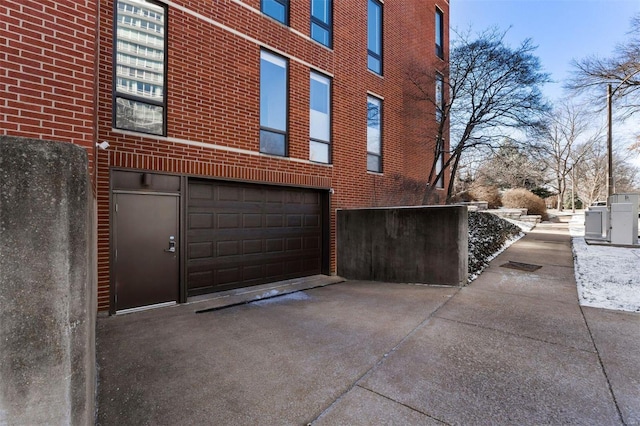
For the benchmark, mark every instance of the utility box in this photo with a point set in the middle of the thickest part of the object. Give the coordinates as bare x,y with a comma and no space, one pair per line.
624,224
624,218
596,223
625,198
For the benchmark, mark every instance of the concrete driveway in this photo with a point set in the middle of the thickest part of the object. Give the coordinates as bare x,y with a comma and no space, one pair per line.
512,348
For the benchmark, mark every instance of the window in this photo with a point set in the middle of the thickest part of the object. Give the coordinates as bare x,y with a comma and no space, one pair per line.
439,166
140,58
439,97
321,21
277,9
374,36
374,134
319,118
273,104
439,33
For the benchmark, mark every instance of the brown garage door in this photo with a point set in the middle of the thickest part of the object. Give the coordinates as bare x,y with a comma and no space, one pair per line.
239,235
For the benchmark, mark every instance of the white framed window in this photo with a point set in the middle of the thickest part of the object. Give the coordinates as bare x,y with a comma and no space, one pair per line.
374,134
273,104
319,118
439,167
439,97
140,58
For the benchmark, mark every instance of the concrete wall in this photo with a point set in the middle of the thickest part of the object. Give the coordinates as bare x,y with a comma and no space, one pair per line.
414,244
47,284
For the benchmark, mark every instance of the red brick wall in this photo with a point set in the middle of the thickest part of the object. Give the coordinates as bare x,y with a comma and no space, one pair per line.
48,70
48,88
213,99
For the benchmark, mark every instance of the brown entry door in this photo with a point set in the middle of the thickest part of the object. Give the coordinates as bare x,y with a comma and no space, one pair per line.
146,252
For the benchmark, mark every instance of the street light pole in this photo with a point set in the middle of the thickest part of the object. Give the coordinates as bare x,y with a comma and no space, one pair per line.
610,92
609,144
573,188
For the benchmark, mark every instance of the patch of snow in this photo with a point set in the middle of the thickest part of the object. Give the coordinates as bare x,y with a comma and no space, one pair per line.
299,295
607,277
576,225
507,244
525,226
270,293
489,235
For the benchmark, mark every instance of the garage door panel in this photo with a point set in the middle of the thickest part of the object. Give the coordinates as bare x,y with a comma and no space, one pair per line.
228,220
294,266
245,234
228,248
197,191
251,220
228,193
200,250
311,221
201,220
311,264
274,270
274,245
274,220
252,272
252,246
312,198
201,278
294,221
216,262
275,196
228,276
311,243
253,195
294,243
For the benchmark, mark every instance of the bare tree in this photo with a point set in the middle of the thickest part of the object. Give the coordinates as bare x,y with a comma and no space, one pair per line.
627,177
622,70
489,88
512,166
591,173
568,127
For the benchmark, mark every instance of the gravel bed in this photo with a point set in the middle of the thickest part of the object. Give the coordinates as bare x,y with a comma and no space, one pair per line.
489,235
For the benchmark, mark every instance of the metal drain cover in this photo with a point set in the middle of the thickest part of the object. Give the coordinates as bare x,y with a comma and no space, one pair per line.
521,266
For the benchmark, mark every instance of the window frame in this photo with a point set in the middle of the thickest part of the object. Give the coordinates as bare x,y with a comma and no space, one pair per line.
330,96
439,103
439,33
328,26
439,168
380,127
116,94
371,54
285,4
272,130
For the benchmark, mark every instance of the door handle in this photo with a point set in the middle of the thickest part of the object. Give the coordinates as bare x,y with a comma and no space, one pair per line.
172,245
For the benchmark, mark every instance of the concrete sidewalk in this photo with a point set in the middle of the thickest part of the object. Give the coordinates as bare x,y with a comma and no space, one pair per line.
512,348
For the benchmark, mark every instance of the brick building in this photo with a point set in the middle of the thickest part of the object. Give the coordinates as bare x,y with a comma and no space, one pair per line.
235,128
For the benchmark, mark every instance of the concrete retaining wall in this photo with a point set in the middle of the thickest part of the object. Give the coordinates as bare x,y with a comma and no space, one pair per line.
412,244
47,284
